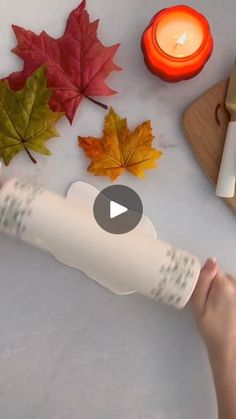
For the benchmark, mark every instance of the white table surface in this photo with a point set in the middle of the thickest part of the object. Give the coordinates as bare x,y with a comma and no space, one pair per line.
69,348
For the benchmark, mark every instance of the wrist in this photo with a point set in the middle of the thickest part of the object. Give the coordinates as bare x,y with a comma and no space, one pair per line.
223,364
223,358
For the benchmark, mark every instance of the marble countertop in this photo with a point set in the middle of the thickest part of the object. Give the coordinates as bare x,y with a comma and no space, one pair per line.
69,348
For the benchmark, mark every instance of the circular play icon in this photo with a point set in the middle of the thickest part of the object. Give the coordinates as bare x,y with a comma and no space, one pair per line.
118,209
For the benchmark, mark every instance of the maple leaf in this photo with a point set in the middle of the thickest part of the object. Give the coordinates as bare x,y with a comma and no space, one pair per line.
119,149
26,120
77,63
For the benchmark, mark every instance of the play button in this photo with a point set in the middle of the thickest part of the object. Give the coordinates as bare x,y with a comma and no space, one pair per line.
118,209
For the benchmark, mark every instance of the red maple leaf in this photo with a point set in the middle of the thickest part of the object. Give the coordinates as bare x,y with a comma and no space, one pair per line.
77,63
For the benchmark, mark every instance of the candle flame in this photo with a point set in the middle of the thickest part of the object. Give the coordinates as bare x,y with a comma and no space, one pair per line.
182,39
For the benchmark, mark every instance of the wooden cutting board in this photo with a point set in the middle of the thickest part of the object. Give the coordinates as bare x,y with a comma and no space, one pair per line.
205,135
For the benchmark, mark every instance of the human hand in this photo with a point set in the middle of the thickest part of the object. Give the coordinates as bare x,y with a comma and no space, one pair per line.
214,308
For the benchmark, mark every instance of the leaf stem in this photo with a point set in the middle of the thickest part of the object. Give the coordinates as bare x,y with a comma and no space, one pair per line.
97,103
30,156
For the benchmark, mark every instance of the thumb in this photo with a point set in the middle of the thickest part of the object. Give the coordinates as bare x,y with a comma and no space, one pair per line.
201,292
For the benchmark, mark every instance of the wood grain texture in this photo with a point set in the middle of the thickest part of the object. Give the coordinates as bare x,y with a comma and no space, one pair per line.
205,135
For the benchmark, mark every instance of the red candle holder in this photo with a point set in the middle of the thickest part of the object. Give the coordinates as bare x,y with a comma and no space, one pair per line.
169,67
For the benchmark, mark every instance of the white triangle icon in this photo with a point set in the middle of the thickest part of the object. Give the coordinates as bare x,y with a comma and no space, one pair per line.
116,209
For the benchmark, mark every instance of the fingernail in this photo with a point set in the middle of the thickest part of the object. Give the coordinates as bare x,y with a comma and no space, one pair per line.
211,267
210,264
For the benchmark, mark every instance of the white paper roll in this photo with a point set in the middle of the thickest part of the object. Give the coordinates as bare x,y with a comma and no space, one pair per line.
125,263
227,175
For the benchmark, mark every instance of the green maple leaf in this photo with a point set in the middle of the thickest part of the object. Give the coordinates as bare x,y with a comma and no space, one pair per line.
26,120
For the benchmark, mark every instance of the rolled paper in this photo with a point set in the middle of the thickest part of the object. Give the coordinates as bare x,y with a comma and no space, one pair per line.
227,175
123,263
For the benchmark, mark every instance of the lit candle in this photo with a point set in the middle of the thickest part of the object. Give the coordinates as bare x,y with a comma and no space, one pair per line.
177,43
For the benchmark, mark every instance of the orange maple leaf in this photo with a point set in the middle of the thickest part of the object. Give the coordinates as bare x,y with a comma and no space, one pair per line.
119,149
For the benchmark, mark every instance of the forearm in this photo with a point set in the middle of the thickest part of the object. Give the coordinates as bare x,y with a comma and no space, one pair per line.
224,374
214,306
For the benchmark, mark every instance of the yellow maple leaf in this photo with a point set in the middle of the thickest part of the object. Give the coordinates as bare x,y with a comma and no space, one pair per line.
119,149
